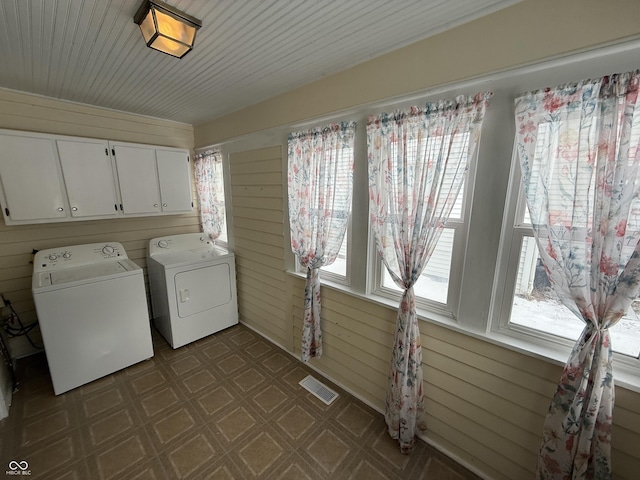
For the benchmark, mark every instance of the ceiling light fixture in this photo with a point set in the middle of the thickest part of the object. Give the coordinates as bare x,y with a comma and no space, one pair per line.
166,28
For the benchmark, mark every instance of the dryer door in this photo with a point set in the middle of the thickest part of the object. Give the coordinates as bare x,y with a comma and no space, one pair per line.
202,289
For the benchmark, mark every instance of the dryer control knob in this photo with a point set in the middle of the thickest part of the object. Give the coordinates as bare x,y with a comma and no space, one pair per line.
108,250
163,244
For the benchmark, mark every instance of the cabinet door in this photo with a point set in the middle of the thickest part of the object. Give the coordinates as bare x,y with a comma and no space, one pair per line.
30,177
174,179
138,179
88,175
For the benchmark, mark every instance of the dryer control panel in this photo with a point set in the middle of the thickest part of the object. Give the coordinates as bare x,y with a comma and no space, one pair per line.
194,242
78,255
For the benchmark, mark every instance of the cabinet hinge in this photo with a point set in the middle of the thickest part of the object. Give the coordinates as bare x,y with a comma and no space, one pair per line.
106,152
120,206
113,152
116,206
191,204
6,211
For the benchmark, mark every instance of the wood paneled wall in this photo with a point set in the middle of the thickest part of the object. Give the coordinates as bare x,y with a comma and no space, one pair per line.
258,231
20,111
484,404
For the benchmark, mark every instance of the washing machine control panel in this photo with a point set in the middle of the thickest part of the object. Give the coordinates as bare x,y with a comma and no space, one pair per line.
77,255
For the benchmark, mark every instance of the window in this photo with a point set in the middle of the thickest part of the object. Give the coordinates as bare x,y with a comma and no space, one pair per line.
338,271
441,275
218,179
320,179
208,173
530,308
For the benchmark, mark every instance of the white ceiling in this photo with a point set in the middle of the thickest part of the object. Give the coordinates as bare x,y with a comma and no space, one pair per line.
90,51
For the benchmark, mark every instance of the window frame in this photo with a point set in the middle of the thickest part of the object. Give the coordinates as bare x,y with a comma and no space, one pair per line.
325,275
460,226
512,237
226,186
426,308
336,277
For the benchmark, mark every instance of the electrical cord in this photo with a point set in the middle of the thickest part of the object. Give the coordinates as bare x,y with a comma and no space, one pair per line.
23,330
7,360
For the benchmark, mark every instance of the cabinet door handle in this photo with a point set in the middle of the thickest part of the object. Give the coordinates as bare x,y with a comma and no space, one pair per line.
60,209
164,204
155,204
75,209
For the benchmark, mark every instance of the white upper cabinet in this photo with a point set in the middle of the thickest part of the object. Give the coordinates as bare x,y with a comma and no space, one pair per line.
153,179
53,178
31,179
174,179
89,177
138,178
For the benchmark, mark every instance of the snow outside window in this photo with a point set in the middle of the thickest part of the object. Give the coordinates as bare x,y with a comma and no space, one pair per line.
534,308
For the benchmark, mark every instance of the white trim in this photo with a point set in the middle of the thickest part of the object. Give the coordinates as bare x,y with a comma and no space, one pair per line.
555,352
448,453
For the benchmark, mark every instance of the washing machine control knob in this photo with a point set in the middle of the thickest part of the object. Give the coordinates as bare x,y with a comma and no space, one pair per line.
108,250
53,257
163,244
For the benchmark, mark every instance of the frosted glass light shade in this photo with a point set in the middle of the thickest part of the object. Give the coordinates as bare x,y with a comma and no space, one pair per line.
166,29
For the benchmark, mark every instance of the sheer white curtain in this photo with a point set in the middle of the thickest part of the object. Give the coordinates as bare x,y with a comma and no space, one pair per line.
579,150
320,180
418,161
210,188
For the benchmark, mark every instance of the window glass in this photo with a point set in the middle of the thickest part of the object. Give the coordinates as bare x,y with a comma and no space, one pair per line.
343,173
434,281
209,180
339,266
433,284
537,307
219,179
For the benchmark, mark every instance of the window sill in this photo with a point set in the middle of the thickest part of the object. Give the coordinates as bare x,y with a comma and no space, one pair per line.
625,376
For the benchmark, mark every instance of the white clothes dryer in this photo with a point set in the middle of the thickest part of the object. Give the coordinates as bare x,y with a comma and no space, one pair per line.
193,287
92,309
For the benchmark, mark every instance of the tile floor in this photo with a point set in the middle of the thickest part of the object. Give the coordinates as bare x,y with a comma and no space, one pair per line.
226,407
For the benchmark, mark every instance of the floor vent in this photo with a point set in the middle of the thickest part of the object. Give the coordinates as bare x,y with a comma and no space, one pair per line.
318,389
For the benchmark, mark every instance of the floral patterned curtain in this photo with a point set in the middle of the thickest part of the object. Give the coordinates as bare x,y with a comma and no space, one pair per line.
418,161
320,178
210,188
580,159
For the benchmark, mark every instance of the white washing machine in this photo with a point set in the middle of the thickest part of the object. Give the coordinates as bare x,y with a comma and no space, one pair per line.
193,287
92,309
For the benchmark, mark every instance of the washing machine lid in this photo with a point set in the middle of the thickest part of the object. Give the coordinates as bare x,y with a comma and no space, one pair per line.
86,273
69,277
